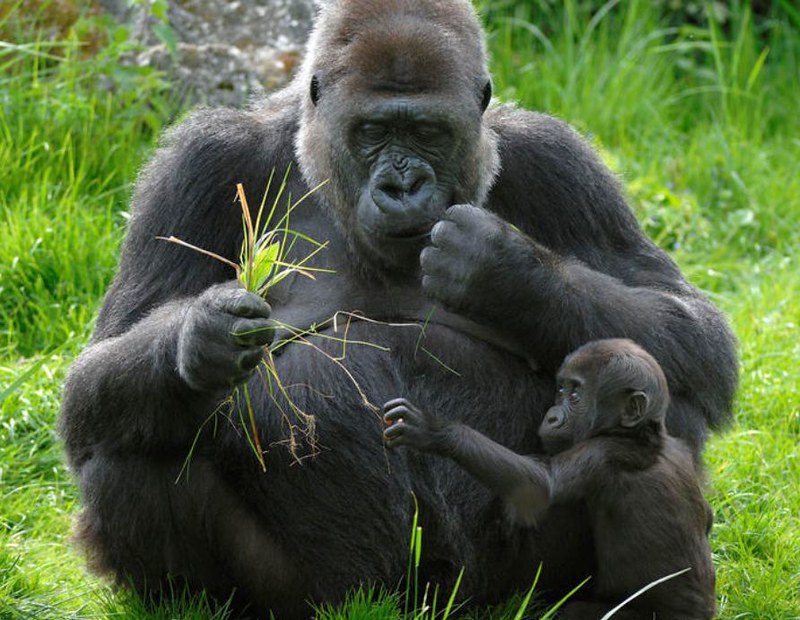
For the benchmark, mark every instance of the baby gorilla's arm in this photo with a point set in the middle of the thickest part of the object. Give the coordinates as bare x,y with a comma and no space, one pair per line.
522,482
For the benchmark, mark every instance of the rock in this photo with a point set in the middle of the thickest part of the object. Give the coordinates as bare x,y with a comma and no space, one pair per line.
226,52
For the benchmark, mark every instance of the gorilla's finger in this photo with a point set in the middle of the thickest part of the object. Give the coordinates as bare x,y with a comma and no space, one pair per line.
436,286
392,442
403,435
249,359
398,435
449,266
431,260
463,214
244,304
252,332
393,431
396,402
397,413
444,234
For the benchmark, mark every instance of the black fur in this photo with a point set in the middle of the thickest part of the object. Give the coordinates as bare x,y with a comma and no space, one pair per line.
533,252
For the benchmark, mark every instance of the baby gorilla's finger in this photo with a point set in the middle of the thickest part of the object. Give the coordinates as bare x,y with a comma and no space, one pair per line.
396,413
397,434
252,332
395,402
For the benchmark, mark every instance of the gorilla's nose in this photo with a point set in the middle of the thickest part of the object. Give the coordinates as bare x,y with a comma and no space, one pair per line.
404,188
554,417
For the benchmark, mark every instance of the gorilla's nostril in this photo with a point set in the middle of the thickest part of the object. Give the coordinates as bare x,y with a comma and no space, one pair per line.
416,186
392,191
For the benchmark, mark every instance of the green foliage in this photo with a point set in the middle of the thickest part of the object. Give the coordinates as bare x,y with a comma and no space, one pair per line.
682,105
72,132
697,115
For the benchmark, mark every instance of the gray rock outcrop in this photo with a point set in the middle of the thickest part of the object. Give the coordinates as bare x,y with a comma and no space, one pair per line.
225,51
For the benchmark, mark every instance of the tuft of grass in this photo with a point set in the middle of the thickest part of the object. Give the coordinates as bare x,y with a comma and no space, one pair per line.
263,263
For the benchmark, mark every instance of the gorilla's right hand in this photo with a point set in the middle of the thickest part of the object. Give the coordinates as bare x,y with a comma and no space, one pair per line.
223,336
407,425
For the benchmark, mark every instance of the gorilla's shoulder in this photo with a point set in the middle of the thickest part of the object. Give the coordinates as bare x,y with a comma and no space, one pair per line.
545,162
268,123
213,148
522,132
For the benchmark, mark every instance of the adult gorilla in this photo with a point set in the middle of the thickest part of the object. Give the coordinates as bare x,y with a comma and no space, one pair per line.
527,249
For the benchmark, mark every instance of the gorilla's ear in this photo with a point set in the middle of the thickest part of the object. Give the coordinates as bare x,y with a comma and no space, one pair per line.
487,96
314,90
635,410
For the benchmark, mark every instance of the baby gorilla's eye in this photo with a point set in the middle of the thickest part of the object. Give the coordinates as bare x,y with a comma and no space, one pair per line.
574,397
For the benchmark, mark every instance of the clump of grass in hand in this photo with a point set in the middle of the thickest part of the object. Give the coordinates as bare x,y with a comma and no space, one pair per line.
263,263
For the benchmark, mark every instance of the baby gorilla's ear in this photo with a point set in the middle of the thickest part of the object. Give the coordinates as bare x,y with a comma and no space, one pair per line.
635,409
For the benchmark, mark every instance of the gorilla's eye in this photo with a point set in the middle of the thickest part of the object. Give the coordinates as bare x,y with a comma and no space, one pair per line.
371,133
429,133
487,96
314,90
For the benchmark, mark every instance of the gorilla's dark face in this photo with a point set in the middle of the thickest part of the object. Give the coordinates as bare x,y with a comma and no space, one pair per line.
408,148
605,387
571,418
396,127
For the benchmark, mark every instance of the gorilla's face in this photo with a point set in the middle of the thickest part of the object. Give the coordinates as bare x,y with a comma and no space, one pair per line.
410,151
397,129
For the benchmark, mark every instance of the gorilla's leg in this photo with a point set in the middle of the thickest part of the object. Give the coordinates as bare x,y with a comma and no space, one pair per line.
166,532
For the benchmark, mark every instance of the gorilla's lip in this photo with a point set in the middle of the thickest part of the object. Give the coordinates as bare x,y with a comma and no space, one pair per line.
414,233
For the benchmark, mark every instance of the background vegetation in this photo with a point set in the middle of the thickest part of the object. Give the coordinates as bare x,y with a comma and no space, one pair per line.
694,104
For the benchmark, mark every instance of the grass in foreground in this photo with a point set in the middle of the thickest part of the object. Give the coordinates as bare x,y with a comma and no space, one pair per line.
701,122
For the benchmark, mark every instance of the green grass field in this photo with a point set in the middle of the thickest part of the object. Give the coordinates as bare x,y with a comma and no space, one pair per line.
700,120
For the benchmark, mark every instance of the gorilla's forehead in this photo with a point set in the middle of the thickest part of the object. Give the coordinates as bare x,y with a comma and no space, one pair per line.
419,58
412,45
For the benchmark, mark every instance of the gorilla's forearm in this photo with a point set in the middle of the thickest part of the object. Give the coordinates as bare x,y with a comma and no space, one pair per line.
125,392
481,267
504,472
684,332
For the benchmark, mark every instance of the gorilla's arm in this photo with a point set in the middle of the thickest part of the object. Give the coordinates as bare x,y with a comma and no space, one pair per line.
179,358
558,259
165,348
523,483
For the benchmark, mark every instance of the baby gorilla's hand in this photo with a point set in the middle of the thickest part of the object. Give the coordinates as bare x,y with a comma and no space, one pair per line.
409,426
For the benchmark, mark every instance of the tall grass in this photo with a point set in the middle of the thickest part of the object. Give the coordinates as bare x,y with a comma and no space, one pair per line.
700,120
681,105
73,130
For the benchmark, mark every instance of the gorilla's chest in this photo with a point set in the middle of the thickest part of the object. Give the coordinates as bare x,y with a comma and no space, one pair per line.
344,375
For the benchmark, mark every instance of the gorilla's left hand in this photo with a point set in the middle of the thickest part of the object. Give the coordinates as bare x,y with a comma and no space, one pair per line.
475,260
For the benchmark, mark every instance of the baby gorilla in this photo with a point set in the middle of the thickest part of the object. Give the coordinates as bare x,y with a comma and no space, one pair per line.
609,448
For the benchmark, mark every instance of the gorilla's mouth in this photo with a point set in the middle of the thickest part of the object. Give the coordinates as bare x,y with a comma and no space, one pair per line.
413,234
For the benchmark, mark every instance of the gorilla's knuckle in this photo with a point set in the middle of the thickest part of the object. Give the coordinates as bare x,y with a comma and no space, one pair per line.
438,231
457,213
426,258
